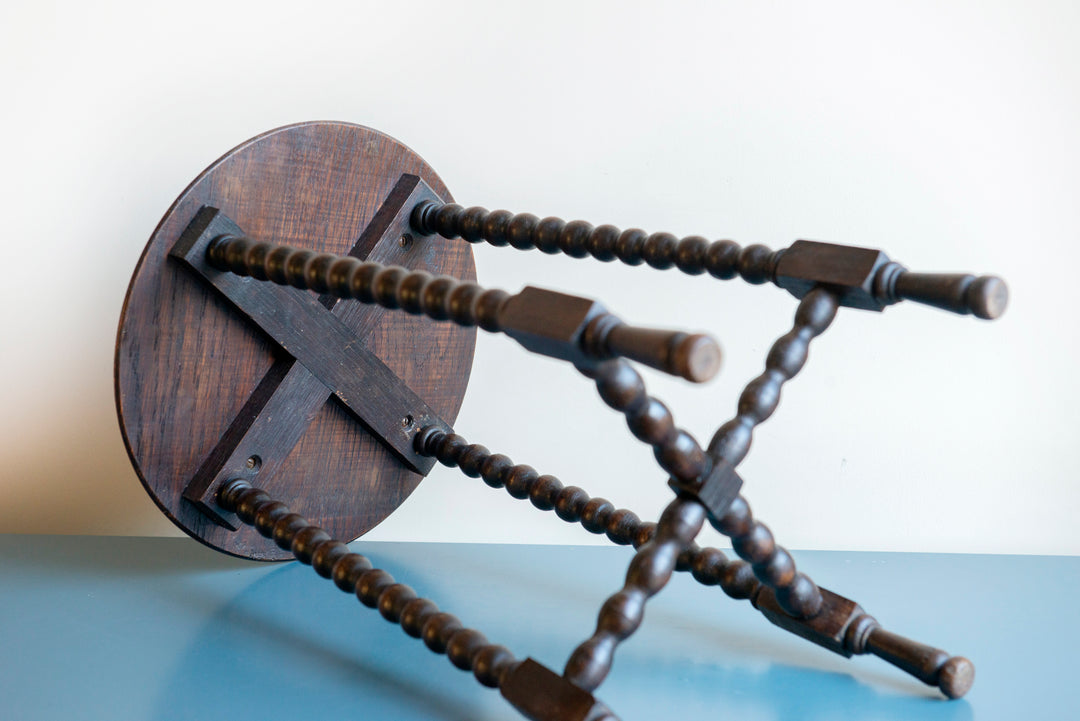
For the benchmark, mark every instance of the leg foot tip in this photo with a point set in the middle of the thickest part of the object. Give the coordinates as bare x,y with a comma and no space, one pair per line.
956,677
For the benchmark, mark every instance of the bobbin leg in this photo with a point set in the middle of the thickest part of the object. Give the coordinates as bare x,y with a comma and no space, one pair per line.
795,593
786,358
574,505
840,625
866,276
623,612
679,454
561,326
786,597
537,692
694,255
622,389
442,632
752,540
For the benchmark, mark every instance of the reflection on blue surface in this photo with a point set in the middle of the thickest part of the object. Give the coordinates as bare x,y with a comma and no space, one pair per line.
164,629
292,642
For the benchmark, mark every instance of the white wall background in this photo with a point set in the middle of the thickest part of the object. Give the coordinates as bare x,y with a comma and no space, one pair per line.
942,132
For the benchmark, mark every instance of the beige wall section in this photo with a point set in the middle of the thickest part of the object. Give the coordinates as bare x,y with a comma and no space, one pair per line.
944,133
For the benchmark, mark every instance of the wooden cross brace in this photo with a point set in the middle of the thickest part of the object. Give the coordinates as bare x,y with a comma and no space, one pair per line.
324,357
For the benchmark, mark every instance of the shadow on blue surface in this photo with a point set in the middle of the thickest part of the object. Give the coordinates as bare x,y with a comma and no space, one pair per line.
289,643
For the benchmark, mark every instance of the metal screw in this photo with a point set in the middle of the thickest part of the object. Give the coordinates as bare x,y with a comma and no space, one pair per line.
253,463
406,421
405,240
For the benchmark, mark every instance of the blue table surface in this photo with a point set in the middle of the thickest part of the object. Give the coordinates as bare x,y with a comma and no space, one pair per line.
164,628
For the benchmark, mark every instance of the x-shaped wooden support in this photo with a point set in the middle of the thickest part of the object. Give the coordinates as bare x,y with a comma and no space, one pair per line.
325,357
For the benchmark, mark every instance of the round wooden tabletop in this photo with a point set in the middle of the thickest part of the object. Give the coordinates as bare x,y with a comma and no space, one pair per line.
187,363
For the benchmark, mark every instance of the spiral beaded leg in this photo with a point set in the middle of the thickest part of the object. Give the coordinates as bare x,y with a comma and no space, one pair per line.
679,454
466,648
622,388
662,548
751,539
572,504
586,333
391,286
623,612
786,358
876,283
772,564
693,255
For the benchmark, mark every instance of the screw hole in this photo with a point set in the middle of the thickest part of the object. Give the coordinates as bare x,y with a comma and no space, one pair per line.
254,463
405,240
407,421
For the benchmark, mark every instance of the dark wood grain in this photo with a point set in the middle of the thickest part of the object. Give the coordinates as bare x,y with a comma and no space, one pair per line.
320,341
289,396
186,363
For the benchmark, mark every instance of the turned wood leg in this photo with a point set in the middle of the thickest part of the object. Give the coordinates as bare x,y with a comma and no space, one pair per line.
441,632
554,324
866,277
